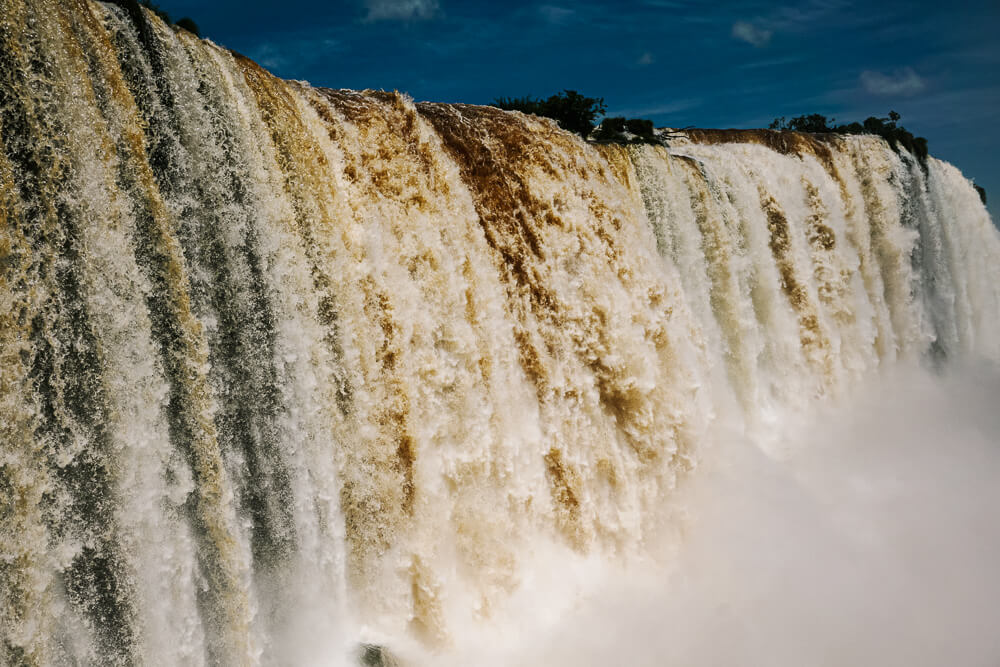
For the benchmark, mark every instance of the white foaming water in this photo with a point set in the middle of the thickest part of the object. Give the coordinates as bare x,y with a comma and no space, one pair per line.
872,539
286,369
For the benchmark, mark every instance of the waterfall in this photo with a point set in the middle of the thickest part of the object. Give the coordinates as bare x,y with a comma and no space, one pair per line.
282,362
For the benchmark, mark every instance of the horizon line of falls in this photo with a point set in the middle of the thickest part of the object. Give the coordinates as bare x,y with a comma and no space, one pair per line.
281,360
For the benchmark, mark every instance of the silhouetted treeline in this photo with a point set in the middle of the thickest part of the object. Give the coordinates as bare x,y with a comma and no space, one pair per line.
621,130
570,109
887,128
577,113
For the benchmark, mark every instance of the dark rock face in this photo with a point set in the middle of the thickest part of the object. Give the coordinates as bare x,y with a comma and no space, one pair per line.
982,192
373,655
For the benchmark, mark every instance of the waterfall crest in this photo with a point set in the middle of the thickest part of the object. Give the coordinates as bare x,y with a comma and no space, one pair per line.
278,359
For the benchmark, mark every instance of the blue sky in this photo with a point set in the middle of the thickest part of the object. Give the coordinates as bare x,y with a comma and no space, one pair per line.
731,63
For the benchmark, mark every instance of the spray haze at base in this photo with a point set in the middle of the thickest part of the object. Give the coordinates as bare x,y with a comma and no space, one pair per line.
284,364
870,539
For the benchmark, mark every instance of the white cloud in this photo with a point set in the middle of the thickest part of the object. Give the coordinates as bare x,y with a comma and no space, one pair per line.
751,34
898,82
556,15
674,106
400,10
645,59
806,15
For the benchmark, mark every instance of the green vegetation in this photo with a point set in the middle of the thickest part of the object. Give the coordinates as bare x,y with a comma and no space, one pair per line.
887,128
811,123
188,24
577,113
570,109
621,130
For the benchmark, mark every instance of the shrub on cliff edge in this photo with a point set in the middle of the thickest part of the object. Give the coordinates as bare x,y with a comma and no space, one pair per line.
570,109
623,130
887,128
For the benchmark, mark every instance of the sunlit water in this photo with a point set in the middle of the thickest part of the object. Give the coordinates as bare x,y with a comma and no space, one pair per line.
286,369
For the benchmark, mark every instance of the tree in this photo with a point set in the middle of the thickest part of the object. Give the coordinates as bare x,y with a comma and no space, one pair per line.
811,123
570,109
888,128
188,24
613,130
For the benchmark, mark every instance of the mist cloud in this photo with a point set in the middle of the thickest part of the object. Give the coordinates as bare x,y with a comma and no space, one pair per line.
868,535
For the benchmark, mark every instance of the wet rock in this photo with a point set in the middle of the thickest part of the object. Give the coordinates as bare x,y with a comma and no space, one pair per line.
373,655
981,190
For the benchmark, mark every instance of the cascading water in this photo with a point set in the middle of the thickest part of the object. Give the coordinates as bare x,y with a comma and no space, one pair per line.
284,365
